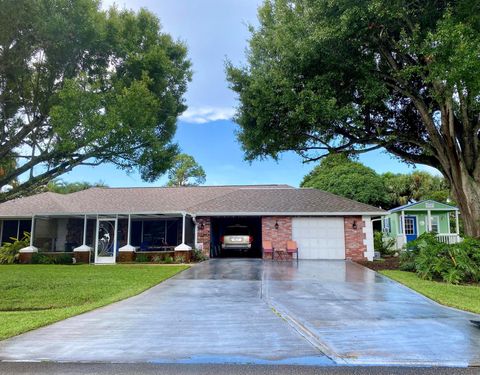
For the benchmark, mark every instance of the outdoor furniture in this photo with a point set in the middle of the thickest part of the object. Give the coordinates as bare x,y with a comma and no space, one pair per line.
281,254
268,248
292,248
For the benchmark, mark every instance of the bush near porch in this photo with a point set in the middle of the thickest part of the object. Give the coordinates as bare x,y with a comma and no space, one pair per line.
36,295
432,260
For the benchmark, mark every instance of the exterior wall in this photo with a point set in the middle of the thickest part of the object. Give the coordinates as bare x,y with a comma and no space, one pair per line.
355,239
204,235
422,223
368,237
280,236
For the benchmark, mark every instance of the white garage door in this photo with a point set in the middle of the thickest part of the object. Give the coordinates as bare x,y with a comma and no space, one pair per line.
319,238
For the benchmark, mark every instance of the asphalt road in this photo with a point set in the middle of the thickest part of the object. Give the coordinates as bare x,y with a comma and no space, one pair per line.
44,368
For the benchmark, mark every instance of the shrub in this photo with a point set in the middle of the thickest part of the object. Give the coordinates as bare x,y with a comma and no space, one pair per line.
63,259
198,256
433,260
142,258
38,258
385,245
9,251
168,259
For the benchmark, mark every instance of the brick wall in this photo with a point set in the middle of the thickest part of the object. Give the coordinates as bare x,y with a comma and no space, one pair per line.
355,246
280,236
204,234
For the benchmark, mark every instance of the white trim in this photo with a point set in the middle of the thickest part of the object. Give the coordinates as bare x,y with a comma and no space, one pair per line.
32,230
416,226
241,213
353,213
403,228
429,220
437,217
368,240
106,260
457,223
18,228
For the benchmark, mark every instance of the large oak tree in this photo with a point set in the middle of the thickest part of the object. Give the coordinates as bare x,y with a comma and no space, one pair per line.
356,75
84,86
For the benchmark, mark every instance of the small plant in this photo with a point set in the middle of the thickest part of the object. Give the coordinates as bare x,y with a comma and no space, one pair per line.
142,258
168,259
198,256
9,251
384,245
180,259
157,259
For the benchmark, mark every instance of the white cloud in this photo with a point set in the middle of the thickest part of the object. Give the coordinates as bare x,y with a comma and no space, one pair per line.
202,115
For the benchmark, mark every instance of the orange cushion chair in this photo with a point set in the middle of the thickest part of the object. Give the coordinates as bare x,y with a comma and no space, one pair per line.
267,247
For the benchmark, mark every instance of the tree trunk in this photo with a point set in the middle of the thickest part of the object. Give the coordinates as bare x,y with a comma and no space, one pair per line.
466,192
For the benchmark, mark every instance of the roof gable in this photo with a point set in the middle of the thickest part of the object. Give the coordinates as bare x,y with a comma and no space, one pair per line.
425,205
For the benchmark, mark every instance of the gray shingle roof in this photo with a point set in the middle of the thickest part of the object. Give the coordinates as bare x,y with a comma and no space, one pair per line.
196,200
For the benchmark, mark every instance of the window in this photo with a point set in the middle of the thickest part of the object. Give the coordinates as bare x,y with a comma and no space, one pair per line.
409,225
386,225
14,228
435,224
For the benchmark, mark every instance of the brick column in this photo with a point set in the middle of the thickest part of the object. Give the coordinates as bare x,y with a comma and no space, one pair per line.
280,236
355,246
204,235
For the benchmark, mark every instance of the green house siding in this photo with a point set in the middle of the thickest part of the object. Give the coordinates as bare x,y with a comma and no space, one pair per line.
440,213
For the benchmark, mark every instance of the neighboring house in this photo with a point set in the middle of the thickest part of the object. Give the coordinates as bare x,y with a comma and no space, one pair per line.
118,223
418,218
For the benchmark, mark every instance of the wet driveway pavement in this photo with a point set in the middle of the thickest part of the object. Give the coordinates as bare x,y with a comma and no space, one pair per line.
250,311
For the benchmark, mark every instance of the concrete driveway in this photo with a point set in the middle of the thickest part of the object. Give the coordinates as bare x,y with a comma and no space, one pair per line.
250,311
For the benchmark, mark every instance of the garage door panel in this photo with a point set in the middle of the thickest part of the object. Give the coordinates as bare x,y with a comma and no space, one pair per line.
319,238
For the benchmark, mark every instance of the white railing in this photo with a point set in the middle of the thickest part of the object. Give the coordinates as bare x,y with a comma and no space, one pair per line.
448,238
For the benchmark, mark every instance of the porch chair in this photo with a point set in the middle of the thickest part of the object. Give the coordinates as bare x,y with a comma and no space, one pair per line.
268,248
292,248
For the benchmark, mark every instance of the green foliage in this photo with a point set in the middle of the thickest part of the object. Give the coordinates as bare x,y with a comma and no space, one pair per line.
33,296
465,297
433,260
142,258
385,245
186,172
39,258
9,251
351,76
340,175
85,86
198,256
62,187
417,186
168,259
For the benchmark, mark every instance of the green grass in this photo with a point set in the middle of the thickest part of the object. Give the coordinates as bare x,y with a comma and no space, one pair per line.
463,297
32,296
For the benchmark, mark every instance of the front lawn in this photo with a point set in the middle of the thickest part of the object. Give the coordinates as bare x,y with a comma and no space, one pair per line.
32,296
464,297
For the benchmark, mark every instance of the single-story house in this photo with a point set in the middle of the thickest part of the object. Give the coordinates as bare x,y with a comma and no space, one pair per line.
421,217
117,224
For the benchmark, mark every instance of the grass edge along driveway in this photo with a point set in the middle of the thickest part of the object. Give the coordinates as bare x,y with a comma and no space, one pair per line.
32,296
463,297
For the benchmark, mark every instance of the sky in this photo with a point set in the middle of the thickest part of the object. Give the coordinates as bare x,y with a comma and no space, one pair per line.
213,31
